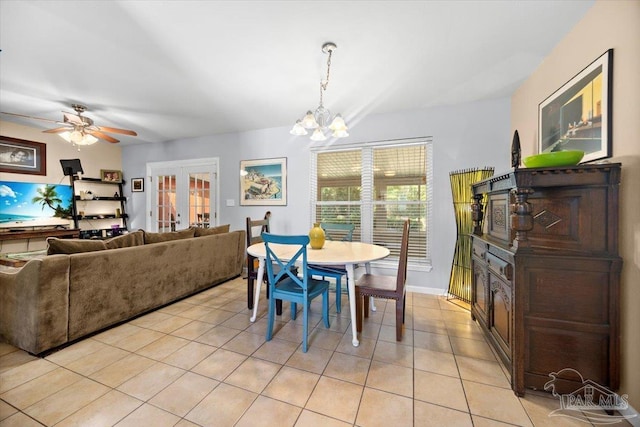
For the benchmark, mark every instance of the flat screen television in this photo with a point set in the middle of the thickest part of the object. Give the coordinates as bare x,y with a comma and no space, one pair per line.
71,166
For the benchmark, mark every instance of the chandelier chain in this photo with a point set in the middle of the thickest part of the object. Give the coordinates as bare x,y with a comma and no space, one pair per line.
325,83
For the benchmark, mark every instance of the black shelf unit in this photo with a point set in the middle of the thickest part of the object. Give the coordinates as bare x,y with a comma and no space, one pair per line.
113,199
91,221
100,216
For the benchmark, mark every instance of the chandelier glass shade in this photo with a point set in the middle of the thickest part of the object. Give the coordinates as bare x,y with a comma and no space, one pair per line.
78,137
321,120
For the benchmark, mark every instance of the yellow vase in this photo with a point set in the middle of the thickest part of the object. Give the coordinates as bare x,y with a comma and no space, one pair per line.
316,235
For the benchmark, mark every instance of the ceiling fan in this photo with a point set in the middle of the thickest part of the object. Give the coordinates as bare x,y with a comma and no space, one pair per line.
79,129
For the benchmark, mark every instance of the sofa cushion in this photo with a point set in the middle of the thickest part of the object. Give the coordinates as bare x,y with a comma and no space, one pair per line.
73,246
213,230
150,237
135,238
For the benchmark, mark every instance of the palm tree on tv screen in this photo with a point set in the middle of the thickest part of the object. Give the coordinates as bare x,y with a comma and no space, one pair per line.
48,196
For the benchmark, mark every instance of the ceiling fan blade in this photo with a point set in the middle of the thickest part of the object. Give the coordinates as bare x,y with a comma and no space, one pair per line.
101,135
30,117
57,130
116,130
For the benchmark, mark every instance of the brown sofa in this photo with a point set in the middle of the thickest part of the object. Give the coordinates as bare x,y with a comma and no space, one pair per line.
63,297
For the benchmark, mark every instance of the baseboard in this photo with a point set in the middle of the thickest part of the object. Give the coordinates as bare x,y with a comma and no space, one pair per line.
429,291
632,416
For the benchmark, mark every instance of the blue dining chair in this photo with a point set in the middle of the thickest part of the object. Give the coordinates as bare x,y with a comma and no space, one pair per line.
344,233
284,284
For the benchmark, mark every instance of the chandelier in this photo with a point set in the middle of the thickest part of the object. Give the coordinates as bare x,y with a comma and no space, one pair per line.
319,120
78,137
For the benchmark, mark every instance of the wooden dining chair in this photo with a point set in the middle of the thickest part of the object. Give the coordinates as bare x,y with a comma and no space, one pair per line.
386,287
344,233
254,236
284,284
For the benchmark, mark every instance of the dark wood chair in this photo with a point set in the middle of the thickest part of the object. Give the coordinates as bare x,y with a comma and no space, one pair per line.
252,262
386,287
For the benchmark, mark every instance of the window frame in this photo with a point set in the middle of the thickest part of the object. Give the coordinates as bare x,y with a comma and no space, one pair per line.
367,178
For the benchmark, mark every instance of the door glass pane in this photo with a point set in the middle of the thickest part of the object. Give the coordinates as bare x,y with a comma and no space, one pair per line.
199,200
184,195
166,209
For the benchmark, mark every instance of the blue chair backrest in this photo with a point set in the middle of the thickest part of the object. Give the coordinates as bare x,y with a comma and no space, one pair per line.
287,268
344,230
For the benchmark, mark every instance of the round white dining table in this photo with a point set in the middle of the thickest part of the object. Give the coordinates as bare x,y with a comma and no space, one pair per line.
348,254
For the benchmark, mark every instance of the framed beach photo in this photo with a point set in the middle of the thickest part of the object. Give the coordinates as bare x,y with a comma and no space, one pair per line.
21,156
578,115
137,185
107,175
263,182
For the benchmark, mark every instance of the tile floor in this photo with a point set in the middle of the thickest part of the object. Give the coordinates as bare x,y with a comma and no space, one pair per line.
200,362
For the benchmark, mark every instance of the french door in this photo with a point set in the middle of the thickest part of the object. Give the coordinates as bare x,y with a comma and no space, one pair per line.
183,194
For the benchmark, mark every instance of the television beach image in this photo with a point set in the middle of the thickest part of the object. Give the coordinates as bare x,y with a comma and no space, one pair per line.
25,204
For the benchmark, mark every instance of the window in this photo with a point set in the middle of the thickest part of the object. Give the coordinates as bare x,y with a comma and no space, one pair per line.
376,186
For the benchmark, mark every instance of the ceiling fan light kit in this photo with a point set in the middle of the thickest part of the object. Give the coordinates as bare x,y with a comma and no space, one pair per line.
78,129
78,138
319,119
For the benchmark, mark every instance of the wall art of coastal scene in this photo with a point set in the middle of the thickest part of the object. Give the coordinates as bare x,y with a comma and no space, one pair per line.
25,204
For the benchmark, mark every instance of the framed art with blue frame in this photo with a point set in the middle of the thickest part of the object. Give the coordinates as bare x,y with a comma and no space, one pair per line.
263,182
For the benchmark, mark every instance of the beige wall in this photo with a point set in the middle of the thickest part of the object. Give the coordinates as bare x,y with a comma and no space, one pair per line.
608,24
101,155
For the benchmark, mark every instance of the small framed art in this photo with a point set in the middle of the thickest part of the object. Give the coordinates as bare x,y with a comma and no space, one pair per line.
137,185
107,175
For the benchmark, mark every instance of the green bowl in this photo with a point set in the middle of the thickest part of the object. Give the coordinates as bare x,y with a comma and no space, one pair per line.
555,158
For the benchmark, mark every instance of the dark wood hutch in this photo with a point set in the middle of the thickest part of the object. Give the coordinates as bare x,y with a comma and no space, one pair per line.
546,274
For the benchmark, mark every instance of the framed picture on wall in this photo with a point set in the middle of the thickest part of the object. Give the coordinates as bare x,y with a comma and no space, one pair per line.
137,185
21,156
108,175
578,115
263,182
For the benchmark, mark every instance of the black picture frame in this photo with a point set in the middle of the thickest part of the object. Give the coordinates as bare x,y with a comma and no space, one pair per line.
578,115
22,156
137,185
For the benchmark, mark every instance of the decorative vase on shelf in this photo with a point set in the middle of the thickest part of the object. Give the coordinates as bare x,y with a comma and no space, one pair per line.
316,235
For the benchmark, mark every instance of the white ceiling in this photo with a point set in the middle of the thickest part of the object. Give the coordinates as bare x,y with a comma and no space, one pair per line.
177,69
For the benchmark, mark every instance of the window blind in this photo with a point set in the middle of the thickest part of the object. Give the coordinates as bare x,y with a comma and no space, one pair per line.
376,187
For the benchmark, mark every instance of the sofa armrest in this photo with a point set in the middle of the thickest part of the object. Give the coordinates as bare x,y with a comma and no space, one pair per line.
34,304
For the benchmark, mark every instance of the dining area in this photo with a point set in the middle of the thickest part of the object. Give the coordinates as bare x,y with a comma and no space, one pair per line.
200,361
299,268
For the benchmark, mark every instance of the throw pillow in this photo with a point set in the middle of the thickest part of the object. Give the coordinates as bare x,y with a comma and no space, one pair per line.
221,229
73,246
125,241
165,237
